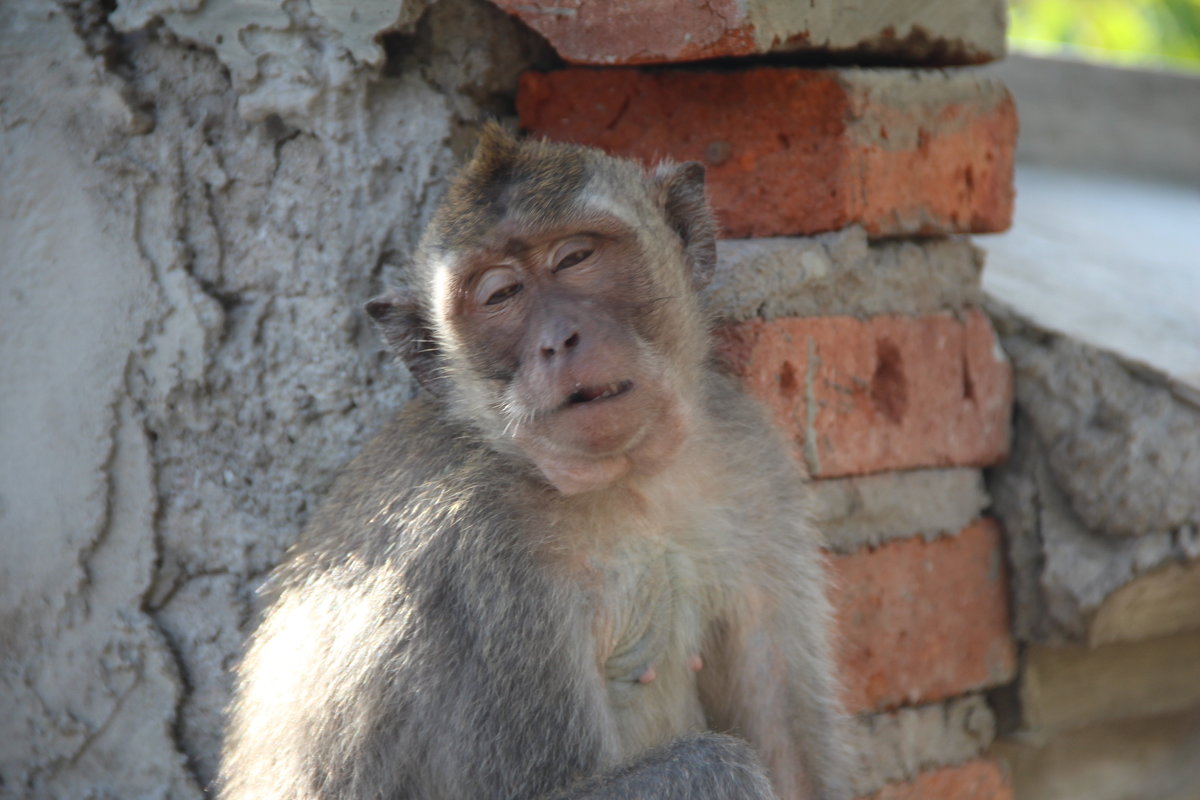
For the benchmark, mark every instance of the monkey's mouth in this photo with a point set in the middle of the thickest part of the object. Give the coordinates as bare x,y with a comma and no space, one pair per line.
590,394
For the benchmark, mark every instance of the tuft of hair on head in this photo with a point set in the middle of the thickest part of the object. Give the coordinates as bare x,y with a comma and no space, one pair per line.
496,149
528,179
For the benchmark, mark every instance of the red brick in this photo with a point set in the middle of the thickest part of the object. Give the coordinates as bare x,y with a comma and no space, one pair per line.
655,31
982,779
890,392
920,621
795,151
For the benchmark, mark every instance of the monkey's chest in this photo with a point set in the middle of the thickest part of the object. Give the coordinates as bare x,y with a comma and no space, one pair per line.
650,636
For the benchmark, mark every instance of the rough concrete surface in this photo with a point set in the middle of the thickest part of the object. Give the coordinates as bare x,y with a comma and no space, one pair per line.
866,511
897,746
843,273
1101,485
649,31
185,251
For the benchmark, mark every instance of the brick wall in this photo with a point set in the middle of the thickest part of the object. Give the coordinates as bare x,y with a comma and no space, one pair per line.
851,307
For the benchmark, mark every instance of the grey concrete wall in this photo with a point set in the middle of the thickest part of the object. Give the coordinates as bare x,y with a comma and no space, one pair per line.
197,198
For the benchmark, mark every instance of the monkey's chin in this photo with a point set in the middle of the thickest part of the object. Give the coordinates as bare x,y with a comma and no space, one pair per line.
578,467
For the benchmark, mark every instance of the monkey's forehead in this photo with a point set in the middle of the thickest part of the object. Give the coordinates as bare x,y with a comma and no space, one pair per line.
527,209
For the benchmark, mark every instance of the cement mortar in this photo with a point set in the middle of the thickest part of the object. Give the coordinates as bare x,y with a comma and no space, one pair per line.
867,511
187,249
1102,482
897,746
843,273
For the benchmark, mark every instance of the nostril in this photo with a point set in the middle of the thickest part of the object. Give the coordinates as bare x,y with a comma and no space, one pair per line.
557,344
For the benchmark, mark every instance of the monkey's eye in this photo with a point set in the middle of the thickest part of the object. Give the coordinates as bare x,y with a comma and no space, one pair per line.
496,286
575,256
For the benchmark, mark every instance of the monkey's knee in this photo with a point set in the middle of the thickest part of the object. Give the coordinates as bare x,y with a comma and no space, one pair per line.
703,766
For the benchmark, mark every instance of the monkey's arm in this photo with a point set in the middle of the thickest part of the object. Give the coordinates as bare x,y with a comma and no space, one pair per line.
707,765
768,660
768,676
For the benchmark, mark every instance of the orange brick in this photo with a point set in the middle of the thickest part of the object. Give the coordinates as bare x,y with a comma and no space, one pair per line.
890,392
796,151
922,621
982,779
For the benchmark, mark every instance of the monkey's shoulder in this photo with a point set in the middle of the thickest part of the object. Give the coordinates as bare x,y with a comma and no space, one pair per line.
418,493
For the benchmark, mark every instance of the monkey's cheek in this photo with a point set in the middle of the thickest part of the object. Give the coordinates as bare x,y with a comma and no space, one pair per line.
661,445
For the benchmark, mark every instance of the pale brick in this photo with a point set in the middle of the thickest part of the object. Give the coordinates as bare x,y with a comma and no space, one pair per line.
651,31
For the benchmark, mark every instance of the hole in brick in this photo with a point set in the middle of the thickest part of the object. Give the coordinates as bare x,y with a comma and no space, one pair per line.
787,380
784,141
718,152
889,388
968,387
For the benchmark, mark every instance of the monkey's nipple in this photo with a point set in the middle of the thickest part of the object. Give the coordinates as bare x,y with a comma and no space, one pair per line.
647,675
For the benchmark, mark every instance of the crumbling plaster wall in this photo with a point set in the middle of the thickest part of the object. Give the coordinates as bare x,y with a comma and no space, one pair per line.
197,198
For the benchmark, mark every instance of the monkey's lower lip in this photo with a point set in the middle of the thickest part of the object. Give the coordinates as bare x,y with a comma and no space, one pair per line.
590,394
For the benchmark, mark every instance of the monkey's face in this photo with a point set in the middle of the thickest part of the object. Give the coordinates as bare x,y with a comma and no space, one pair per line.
571,339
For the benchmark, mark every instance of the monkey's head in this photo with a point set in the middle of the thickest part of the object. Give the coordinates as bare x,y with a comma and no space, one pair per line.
554,307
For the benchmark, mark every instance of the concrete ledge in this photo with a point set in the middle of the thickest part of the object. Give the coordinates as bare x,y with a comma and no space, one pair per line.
867,511
1148,759
652,31
1099,118
898,746
1070,687
843,273
1159,603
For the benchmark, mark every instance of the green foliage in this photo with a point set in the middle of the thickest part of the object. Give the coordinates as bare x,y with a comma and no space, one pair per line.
1116,30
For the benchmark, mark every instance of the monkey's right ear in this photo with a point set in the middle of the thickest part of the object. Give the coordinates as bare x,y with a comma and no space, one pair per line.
688,213
402,321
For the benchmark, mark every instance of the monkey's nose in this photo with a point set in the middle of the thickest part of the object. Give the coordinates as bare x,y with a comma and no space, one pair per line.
569,343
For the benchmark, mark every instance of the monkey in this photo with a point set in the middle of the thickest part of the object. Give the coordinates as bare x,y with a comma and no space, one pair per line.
579,563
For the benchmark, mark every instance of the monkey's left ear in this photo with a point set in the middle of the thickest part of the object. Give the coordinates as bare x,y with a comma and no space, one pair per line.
402,321
689,215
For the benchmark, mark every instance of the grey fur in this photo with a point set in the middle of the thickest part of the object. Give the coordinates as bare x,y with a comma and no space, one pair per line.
452,626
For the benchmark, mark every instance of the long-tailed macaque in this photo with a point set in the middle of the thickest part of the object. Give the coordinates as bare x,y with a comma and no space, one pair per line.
579,565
